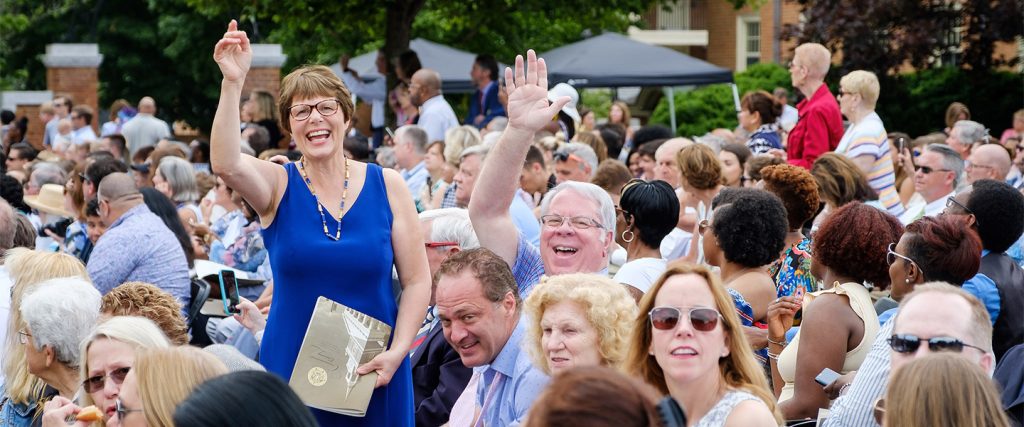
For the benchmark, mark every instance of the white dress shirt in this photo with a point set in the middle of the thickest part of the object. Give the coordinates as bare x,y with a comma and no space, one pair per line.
436,117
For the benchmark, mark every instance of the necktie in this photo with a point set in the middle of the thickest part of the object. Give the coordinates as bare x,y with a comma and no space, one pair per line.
490,397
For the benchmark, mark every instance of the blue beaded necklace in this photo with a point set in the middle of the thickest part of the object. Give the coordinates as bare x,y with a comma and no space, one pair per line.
319,206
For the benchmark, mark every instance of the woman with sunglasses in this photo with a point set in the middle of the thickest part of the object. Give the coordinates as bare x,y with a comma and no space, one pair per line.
159,381
647,212
839,324
688,343
333,227
108,354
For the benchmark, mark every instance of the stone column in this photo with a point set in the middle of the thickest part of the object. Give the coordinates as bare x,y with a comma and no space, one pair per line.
72,69
26,104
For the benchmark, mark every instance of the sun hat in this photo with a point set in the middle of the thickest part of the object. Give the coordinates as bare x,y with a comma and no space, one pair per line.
49,200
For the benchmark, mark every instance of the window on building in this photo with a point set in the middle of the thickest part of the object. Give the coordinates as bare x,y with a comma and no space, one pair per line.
748,41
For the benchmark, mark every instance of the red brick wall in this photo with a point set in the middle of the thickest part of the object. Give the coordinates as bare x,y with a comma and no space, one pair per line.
81,84
36,128
268,79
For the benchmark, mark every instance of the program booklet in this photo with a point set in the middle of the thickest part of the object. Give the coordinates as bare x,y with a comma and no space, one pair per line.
338,340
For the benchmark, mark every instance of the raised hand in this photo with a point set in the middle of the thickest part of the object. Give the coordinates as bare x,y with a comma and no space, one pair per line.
233,54
528,107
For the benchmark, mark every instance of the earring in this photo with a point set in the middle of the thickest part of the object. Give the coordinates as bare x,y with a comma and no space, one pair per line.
907,280
630,238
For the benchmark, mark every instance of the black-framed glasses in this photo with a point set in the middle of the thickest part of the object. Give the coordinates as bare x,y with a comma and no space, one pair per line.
927,170
96,383
951,201
327,107
909,343
123,410
701,318
891,255
577,222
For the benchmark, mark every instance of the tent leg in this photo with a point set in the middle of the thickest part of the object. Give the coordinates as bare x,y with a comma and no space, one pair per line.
672,108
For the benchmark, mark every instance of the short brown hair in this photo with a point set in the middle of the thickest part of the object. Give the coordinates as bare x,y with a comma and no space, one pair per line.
611,175
797,189
488,268
146,300
758,162
85,112
840,181
759,101
596,396
310,81
699,166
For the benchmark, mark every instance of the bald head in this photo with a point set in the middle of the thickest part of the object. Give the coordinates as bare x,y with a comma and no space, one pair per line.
118,186
147,105
672,147
816,58
427,79
993,158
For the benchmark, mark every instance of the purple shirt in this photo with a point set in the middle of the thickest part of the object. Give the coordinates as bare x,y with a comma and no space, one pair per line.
139,247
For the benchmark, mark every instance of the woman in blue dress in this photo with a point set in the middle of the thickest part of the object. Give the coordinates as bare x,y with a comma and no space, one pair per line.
333,227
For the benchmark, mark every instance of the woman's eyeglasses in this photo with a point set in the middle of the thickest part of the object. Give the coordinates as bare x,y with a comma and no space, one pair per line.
327,107
701,318
96,383
907,343
440,244
891,255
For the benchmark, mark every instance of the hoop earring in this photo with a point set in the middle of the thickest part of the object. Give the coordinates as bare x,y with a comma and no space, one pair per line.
631,236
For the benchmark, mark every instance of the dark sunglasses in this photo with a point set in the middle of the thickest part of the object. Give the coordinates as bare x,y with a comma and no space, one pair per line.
123,410
907,343
927,170
701,318
94,384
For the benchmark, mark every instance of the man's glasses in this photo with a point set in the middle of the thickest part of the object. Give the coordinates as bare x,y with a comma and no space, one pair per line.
950,202
96,383
969,165
667,318
927,170
577,222
907,343
327,107
123,410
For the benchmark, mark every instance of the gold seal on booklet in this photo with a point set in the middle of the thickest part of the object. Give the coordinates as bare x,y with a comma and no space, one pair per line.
317,376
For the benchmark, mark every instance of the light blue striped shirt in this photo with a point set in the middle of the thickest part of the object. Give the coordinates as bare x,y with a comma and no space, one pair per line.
508,402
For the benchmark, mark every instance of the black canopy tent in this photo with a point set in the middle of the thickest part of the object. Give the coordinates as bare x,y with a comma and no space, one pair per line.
614,60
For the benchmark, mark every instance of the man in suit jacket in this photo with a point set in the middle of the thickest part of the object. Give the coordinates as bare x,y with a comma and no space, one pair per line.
484,104
438,375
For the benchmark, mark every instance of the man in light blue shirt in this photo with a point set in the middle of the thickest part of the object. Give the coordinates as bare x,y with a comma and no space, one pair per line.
410,152
479,307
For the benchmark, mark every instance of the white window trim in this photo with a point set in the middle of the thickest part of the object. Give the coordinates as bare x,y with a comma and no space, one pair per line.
741,40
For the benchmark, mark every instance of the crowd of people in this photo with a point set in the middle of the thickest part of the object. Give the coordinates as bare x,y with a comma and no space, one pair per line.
536,267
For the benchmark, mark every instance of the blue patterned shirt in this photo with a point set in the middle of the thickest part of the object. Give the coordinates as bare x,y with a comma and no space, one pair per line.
139,247
508,401
528,267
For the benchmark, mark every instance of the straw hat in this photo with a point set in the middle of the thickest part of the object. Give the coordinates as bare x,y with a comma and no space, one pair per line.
50,200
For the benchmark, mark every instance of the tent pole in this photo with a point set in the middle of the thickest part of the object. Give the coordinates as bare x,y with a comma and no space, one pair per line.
672,108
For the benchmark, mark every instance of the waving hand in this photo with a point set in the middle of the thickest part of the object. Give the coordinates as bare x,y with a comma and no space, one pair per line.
233,54
528,107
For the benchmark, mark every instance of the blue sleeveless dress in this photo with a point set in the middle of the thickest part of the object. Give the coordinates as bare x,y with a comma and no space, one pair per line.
355,271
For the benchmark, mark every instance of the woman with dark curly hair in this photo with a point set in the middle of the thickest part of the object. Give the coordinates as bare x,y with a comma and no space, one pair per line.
747,233
647,212
799,194
839,323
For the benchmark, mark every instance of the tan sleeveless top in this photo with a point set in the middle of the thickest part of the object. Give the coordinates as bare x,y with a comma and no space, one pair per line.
860,301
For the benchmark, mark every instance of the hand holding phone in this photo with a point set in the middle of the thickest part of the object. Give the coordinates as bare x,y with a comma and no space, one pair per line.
826,377
229,291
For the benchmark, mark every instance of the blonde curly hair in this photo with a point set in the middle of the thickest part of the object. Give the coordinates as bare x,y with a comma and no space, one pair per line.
608,307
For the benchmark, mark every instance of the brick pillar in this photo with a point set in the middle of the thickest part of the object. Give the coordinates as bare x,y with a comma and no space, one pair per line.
265,72
72,69
26,104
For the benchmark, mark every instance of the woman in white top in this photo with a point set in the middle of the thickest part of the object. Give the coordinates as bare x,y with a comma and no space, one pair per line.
646,213
839,325
688,343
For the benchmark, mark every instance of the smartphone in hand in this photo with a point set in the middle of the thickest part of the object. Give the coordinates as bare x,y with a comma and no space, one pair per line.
229,291
826,377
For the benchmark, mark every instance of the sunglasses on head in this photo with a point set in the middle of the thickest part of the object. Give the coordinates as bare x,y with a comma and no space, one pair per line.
907,343
94,384
701,318
563,156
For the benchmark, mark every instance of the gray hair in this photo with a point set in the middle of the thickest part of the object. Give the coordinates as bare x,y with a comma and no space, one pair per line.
970,131
584,152
451,225
605,206
8,226
48,173
951,160
181,177
60,313
386,157
415,135
476,150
